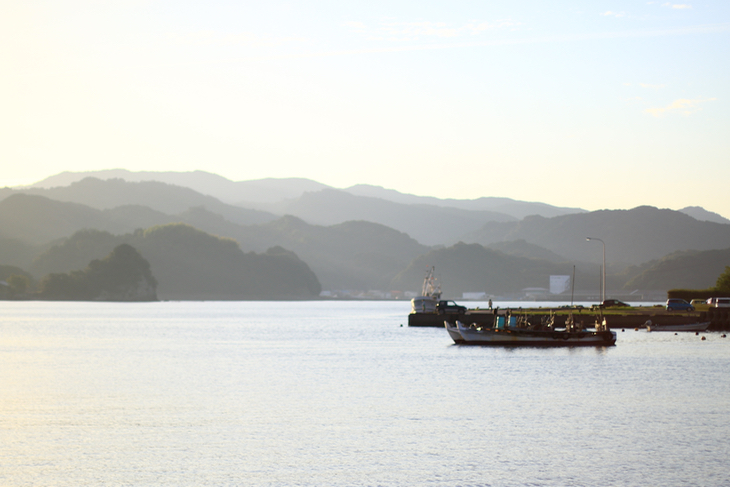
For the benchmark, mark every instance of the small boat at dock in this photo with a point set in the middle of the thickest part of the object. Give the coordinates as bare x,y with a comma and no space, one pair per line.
453,331
430,294
512,336
703,326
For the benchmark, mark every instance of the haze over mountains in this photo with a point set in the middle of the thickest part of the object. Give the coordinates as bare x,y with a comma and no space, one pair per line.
359,238
308,200
262,190
271,190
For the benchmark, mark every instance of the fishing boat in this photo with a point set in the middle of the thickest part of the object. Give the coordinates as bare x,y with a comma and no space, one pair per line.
513,336
430,294
703,326
453,330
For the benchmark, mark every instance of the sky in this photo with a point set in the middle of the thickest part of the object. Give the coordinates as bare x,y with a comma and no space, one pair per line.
590,104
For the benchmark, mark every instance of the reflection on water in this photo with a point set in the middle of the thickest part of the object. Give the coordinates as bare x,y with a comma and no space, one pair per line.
315,393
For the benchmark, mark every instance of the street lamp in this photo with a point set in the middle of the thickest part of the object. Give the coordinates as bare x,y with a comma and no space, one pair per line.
603,291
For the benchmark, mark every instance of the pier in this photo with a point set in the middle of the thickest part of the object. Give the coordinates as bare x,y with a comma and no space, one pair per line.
616,318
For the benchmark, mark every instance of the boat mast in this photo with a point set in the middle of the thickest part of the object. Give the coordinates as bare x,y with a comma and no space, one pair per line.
430,288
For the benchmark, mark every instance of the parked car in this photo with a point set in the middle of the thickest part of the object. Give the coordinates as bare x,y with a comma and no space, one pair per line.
719,302
444,307
615,303
699,303
676,304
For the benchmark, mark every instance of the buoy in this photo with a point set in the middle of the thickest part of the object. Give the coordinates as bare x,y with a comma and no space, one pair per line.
723,336
636,329
704,338
622,330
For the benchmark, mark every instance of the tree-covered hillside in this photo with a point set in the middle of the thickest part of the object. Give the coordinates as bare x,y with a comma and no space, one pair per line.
16,252
352,255
123,275
474,268
683,270
37,234
520,248
631,236
15,283
425,223
191,264
37,220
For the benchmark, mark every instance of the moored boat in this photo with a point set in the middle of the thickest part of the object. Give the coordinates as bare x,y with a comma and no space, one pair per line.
430,294
703,326
509,336
453,330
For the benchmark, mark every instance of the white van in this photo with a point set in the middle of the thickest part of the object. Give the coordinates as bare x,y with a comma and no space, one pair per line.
719,302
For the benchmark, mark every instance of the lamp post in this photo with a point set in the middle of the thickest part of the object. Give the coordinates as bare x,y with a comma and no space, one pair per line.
603,291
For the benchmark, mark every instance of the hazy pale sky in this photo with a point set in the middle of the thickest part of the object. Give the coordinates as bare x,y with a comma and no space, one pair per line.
593,104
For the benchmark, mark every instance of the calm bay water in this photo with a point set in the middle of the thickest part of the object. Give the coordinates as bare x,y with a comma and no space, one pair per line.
340,394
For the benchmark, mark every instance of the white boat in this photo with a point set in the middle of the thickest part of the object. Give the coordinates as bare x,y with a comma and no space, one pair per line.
430,294
510,336
682,327
453,331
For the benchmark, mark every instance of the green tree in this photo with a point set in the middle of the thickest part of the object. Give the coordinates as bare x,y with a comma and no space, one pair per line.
723,282
65,286
115,277
18,284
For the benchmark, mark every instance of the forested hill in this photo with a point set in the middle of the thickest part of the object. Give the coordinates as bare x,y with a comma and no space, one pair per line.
428,224
356,255
191,264
472,267
682,270
631,236
37,220
351,255
123,275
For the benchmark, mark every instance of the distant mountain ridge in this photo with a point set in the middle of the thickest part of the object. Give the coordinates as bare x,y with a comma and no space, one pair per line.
250,193
37,219
254,193
262,190
159,196
358,242
699,213
429,224
514,208
425,223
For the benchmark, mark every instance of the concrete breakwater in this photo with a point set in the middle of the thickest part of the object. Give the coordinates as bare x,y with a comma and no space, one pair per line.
616,319
719,318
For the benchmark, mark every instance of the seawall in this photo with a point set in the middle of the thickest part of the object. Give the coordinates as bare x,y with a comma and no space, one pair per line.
624,318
